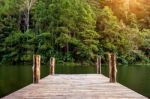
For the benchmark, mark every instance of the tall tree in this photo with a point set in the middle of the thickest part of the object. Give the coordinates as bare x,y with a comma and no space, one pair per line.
26,6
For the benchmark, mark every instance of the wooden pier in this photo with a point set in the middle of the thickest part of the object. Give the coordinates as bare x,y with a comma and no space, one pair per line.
75,86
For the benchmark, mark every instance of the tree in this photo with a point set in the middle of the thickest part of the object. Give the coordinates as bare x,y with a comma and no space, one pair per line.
18,47
26,6
8,24
117,37
88,37
73,30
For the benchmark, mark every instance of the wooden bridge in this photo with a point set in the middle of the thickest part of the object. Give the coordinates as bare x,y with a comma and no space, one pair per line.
77,86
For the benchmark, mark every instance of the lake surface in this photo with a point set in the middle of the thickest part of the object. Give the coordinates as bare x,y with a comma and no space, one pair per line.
13,78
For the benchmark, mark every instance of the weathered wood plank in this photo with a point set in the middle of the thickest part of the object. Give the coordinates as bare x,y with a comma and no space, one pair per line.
81,86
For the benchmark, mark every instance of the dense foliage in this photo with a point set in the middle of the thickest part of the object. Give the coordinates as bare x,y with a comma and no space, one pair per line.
74,30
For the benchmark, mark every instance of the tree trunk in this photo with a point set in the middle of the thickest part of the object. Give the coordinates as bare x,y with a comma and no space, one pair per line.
28,19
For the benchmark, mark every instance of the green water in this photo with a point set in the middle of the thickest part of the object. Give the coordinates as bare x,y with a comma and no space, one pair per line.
13,78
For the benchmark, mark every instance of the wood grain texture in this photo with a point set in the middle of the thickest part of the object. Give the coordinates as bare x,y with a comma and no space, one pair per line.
52,66
76,86
98,65
36,68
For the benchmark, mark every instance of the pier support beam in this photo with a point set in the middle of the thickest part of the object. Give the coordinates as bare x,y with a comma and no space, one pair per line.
112,67
36,68
98,65
52,66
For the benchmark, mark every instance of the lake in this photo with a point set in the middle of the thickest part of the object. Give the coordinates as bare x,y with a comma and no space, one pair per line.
15,77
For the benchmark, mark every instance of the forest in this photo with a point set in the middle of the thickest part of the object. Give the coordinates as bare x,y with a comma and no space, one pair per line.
74,30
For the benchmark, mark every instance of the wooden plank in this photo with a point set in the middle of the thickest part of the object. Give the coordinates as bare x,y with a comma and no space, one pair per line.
80,86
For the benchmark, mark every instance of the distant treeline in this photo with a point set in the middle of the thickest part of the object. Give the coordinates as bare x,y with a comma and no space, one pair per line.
74,30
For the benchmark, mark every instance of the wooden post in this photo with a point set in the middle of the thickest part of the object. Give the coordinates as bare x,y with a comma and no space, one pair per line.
36,68
112,67
98,65
109,59
52,66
